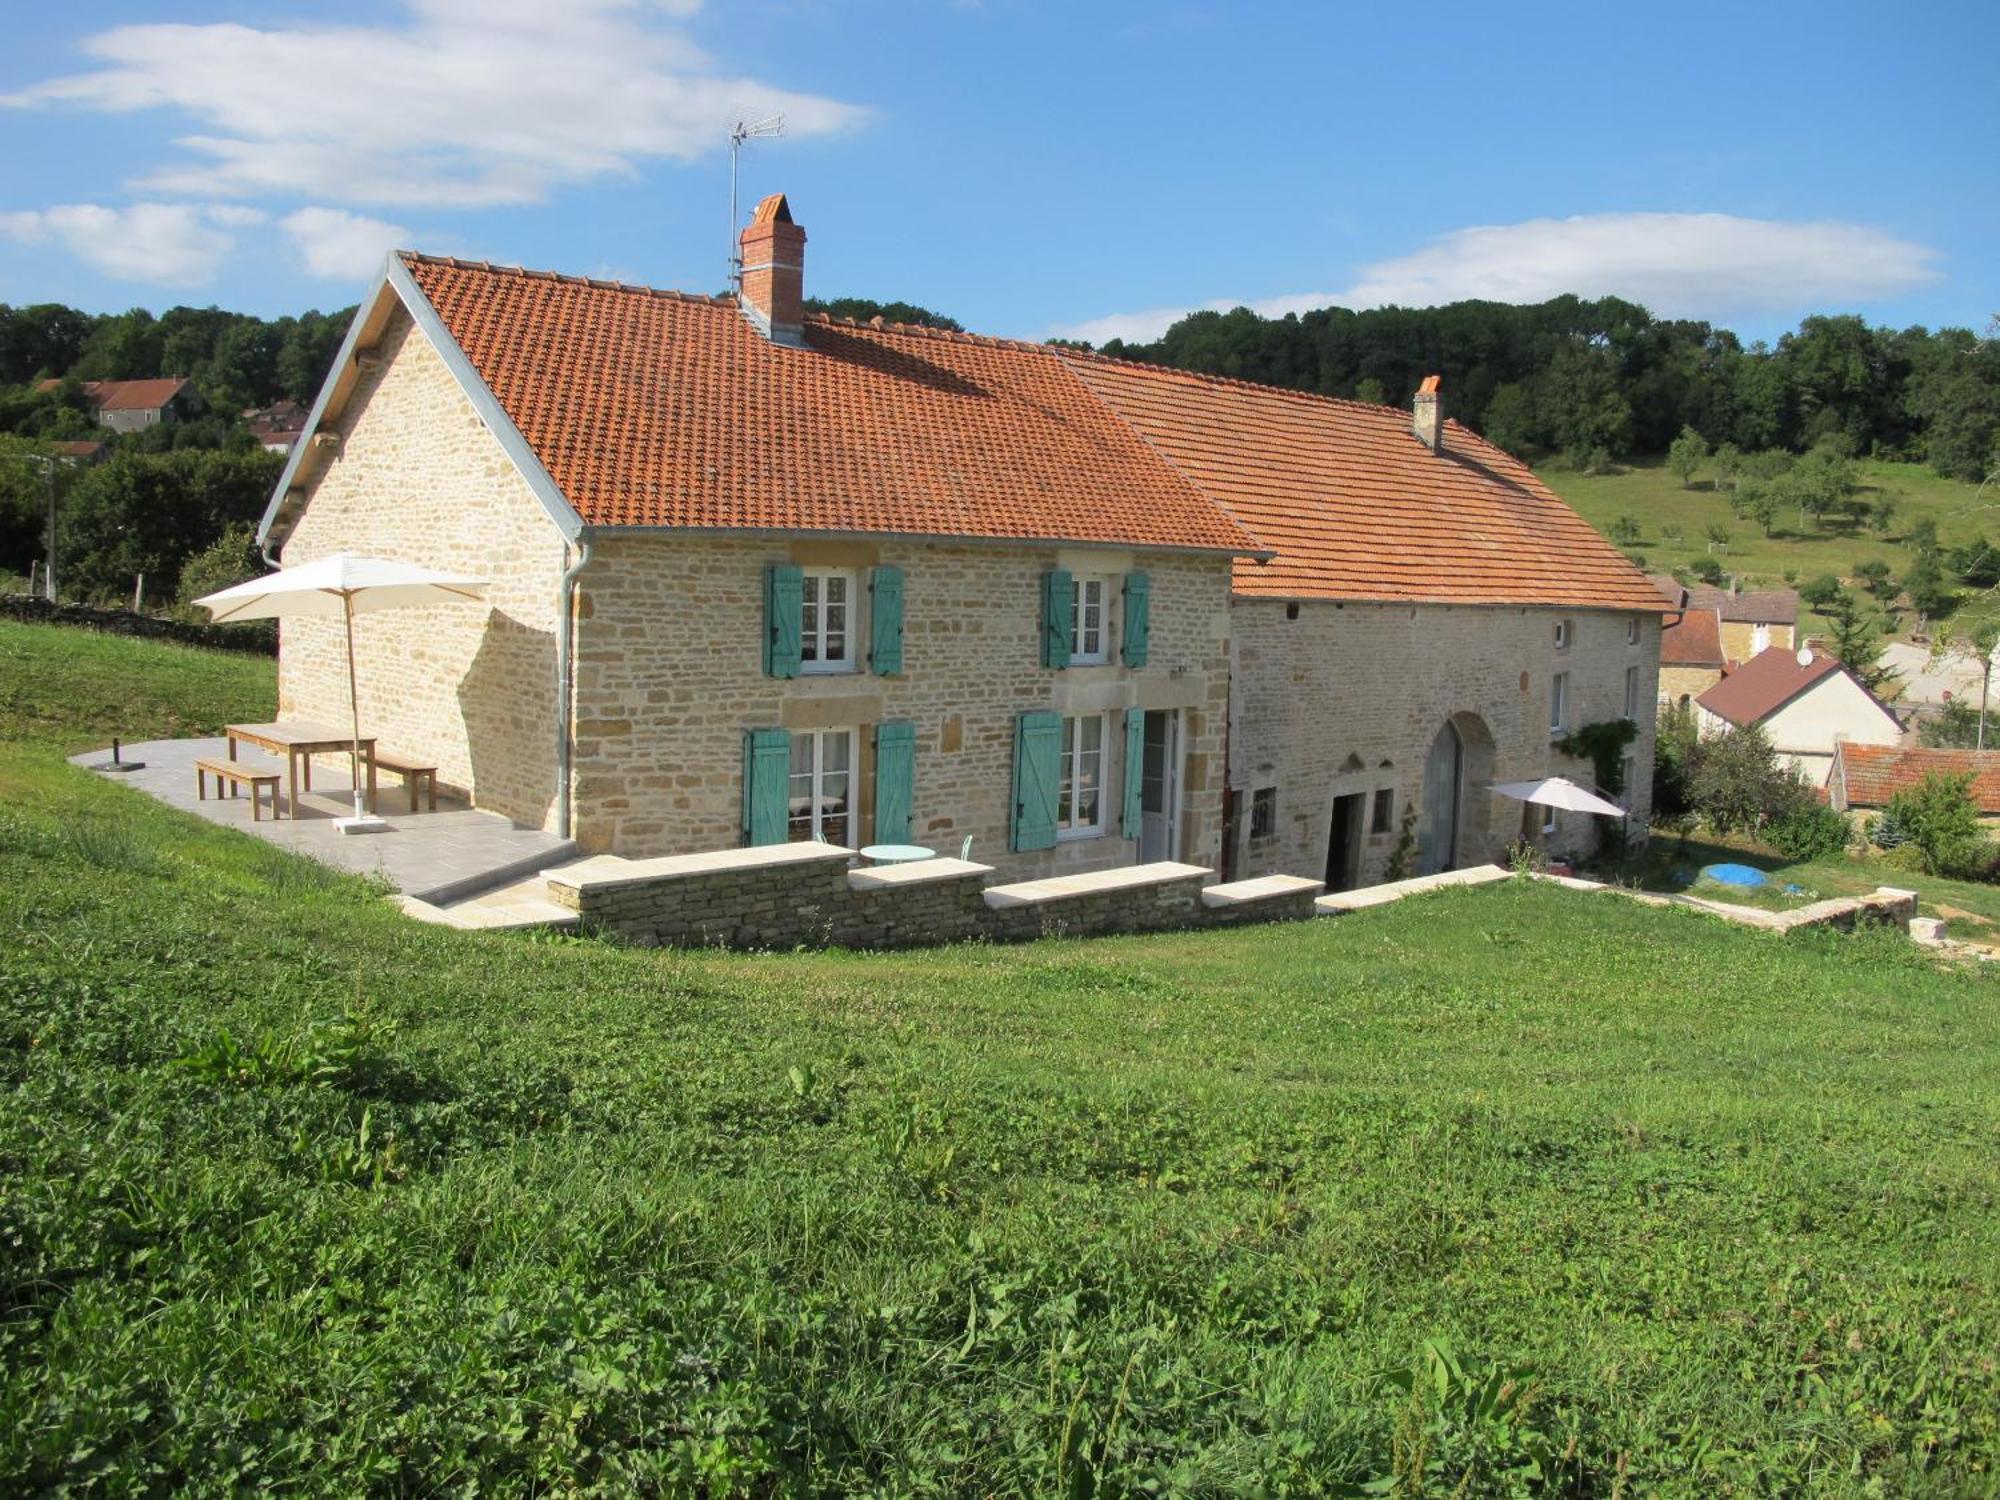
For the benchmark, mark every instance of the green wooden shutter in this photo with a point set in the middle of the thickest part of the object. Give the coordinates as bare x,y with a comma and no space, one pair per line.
1138,618
784,591
1135,769
1058,611
767,776
895,781
1037,780
885,623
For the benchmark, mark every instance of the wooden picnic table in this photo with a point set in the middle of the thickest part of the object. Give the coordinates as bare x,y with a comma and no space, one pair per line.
297,740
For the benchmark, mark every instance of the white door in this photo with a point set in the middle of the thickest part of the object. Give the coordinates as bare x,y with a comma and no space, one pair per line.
1159,786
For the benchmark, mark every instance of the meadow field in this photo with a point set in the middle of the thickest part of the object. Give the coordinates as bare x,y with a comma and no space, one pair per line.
1674,520
1509,1191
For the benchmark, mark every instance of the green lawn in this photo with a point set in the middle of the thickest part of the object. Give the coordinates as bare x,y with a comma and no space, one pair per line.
295,1192
1656,499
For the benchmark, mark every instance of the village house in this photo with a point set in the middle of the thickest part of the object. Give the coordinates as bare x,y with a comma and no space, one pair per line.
1865,778
1748,621
1807,705
132,405
1691,659
758,575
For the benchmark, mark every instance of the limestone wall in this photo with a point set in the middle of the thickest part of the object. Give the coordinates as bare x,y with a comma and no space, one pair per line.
669,677
471,687
806,895
1335,699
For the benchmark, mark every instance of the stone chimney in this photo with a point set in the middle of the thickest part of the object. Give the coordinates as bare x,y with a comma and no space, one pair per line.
1427,423
771,285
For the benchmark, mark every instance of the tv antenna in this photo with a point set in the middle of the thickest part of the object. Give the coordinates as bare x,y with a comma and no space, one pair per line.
746,130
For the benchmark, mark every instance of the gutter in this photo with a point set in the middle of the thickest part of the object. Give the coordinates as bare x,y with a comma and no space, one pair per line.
565,695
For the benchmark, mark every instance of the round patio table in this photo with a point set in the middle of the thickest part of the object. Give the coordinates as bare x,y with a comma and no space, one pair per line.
897,854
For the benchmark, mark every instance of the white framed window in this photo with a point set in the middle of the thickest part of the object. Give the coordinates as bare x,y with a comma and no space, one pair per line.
1080,799
1559,703
1090,624
1548,822
1632,631
826,620
1565,632
1760,639
1631,692
821,790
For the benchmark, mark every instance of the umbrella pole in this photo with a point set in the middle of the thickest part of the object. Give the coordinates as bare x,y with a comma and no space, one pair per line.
353,705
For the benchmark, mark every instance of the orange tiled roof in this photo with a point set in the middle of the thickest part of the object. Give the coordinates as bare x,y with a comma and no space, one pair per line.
1357,508
657,409
1872,774
1695,640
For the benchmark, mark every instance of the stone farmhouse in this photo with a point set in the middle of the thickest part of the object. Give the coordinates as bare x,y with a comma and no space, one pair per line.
759,576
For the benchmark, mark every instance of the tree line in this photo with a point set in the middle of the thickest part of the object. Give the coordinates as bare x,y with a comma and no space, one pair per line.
1596,380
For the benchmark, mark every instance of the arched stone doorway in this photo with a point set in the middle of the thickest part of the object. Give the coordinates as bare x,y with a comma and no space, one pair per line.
1452,817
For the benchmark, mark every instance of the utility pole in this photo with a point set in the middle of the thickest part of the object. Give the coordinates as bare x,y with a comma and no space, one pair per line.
48,465
49,468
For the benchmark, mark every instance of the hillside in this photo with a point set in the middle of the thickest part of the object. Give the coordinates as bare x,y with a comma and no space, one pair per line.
1673,521
296,1192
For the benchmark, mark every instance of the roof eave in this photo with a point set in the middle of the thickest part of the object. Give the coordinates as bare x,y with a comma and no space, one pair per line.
395,277
592,531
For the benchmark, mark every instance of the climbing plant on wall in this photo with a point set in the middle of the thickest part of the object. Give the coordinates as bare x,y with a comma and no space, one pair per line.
1603,745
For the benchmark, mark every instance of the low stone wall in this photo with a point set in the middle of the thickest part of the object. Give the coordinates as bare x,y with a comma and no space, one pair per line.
805,895
1886,905
259,638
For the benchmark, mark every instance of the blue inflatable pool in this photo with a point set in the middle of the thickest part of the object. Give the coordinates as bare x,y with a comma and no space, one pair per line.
1733,874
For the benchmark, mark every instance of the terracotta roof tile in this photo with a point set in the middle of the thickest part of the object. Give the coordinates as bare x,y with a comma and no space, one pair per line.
1871,774
1357,508
1695,640
659,409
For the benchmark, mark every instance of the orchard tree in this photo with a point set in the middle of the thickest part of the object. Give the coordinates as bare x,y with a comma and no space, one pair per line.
1686,455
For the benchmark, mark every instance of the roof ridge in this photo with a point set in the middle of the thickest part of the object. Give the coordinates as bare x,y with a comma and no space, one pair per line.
1068,351
945,335
598,283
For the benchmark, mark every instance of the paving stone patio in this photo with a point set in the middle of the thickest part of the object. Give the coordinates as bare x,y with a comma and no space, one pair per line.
438,857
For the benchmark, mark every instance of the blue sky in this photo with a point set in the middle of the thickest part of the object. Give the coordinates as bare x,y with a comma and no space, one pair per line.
1029,168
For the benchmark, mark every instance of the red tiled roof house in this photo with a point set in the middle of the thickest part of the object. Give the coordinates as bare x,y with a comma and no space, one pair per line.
1865,777
758,575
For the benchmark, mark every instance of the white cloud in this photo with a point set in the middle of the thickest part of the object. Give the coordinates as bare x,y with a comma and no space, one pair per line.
339,245
468,103
1712,266
162,244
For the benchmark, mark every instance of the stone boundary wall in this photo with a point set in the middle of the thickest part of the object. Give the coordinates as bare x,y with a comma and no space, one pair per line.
259,638
806,895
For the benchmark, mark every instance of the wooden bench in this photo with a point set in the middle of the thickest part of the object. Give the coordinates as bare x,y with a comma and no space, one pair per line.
414,774
230,775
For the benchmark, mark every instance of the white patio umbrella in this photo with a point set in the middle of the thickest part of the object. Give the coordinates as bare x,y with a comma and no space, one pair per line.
1559,791
343,585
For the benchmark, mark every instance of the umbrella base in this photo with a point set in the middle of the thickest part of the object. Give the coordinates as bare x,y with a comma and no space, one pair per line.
367,823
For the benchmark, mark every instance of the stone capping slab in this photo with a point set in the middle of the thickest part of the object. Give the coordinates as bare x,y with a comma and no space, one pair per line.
1095,883
1381,895
1263,888
608,872
913,872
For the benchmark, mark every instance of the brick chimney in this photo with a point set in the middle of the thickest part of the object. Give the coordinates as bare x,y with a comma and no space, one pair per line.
1426,422
772,281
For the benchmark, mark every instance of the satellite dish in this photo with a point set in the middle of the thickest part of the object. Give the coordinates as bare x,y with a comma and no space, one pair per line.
1805,656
